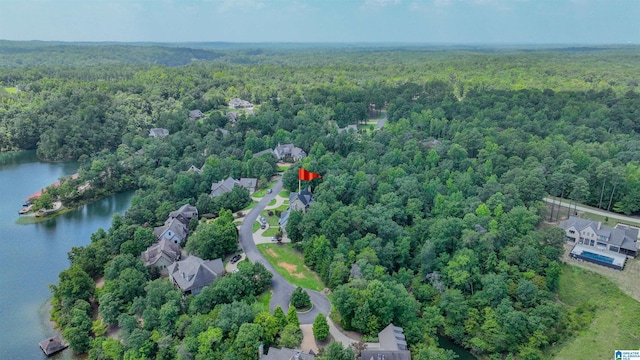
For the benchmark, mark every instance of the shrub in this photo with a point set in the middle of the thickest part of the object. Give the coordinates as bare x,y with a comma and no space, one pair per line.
320,327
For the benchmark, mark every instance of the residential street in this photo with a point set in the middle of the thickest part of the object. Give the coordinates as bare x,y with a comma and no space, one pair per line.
281,288
611,215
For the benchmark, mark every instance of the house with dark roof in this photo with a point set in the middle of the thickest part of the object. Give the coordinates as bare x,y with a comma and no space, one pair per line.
232,116
237,103
195,115
161,255
392,345
176,227
300,201
226,185
52,345
621,240
193,274
287,354
289,151
264,152
158,132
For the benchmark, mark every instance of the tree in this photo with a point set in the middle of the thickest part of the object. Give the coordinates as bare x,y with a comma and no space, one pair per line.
300,298
293,230
290,336
281,318
580,190
320,327
292,317
214,240
335,351
78,331
247,341
269,325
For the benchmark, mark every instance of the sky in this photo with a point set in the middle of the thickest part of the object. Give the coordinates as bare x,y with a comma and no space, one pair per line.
342,21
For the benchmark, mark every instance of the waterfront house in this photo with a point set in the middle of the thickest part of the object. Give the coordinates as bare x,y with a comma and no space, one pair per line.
392,345
192,274
161,254
621,239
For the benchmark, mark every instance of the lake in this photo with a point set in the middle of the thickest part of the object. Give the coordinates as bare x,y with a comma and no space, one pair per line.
34,254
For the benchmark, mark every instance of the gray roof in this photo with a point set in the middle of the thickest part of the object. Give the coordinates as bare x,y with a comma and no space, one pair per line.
348,128
195,114
194,273
196,169
393,346
248,183
286,354
284,217
305,197
185,213
285,150
385,355
52,345
158,132
623,236
232,116
178,228
162,249
222,186
239,103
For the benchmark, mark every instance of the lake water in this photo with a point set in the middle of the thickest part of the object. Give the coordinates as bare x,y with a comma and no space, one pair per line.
34,254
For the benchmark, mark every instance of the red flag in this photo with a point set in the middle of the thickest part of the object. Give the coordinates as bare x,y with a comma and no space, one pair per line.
307,175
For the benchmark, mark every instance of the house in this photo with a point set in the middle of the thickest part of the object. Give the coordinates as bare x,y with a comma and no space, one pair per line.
173,230
621,239
158,132
52,345
195,115
226,185
195,169
222,187
161,255
222,131
284,218
286,354
232,116
193,274
348,128
391,346
289,151
176,228
250,184
237,103
300,201
185,213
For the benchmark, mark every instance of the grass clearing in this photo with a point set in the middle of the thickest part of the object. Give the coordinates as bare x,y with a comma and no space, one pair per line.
263,300
616,321
284,193
11,90
272,202
290,264
283,167
255,227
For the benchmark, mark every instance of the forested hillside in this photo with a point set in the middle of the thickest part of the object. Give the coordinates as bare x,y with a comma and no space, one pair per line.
430,222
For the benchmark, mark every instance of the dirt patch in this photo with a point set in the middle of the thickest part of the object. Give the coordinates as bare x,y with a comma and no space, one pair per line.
289,267
297,275
273,254
99,282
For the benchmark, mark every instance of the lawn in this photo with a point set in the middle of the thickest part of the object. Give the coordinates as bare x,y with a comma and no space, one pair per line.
616,322
263,300
11,90
262,192
255,227
283,167
284,193
271,220
272,231
289,263
250,206
272,202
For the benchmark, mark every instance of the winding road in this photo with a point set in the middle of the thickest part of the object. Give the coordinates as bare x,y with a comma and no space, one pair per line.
282,289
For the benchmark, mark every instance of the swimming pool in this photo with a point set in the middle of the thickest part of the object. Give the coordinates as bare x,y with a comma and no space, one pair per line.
597,257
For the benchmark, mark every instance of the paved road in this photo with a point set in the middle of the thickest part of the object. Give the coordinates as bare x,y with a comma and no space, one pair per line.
597,212
383,120
282,289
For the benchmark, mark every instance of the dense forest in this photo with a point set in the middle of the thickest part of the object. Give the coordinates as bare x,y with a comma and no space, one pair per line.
431,222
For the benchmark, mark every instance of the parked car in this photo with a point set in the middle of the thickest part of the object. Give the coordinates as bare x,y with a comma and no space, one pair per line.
263,226
269,191
236,258
263,220
273,238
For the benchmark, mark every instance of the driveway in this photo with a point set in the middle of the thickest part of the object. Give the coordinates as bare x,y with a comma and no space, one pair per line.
611,215
282,289
383,120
